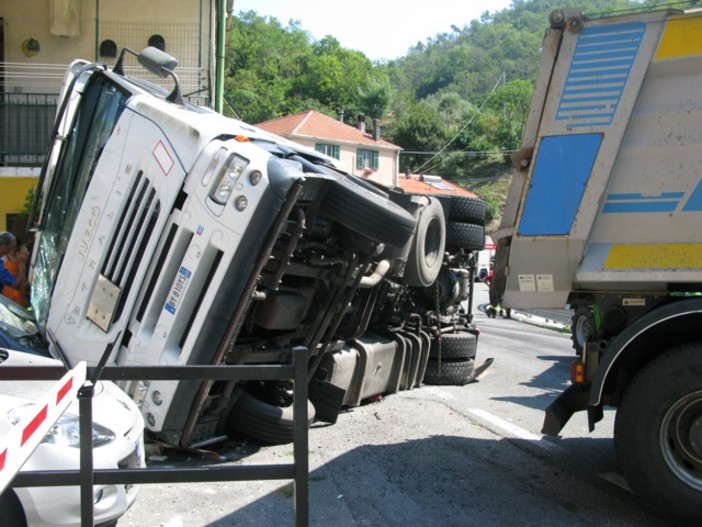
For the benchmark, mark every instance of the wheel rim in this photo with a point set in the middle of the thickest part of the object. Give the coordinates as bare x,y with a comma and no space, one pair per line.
583,329
681,439
433,244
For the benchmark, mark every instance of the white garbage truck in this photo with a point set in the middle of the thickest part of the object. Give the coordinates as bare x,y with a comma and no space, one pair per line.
170,235
603,216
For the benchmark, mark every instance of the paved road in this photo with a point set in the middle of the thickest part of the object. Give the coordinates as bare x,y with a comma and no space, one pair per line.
436,456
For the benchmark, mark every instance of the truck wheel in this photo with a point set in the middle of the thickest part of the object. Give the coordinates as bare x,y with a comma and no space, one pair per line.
466,236
581,327
461,345
427,248
458,372
468,209
12,511
367,210
266,422
658,433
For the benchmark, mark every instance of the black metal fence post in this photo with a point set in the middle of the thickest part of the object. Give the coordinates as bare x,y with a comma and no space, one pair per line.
87,476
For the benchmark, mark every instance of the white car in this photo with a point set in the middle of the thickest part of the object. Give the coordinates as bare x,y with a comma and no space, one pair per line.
118,442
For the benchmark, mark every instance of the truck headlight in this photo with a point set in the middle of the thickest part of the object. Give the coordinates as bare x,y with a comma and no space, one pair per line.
226,179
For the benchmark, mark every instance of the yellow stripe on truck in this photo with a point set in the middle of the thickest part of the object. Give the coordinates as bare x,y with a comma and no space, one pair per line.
681,38
655,256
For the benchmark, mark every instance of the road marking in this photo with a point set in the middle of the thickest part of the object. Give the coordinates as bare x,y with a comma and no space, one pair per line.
515,430
440,394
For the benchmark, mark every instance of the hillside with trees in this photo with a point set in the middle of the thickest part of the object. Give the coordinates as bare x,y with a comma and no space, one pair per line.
456,103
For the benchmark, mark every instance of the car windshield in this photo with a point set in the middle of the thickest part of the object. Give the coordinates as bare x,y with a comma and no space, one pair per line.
100,107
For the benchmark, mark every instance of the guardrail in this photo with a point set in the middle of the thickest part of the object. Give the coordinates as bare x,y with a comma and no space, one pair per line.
292,366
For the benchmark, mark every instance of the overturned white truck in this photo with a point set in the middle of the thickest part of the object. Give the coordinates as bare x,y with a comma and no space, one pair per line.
603,215
179,236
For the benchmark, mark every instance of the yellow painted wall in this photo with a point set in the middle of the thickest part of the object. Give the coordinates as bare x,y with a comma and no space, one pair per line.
13,191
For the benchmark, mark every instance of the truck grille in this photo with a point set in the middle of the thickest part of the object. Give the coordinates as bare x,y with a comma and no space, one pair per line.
134,229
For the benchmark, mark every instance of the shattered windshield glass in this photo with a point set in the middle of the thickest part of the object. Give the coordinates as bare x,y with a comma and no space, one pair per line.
99,109
18,327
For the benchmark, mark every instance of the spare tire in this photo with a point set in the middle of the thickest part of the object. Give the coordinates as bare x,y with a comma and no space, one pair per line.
367,210
426,253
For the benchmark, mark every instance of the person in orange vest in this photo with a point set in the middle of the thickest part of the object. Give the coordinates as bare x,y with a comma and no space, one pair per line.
13,269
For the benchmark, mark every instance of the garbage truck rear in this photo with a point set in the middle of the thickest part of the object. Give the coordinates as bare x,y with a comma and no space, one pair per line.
603,216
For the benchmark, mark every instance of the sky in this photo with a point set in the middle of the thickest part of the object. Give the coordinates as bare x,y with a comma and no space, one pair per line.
381,29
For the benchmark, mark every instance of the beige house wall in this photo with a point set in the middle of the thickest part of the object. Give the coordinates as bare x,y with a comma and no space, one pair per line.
87,22
388,160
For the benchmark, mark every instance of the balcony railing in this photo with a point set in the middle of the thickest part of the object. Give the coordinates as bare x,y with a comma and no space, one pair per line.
28,99
26,120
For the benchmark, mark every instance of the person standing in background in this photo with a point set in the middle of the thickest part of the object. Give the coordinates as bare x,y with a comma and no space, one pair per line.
13,269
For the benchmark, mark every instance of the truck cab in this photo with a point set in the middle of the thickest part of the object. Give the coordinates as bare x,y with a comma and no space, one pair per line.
171,235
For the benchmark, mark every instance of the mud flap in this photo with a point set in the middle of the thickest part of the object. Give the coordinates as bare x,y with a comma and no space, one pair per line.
477,372
327,399
574,399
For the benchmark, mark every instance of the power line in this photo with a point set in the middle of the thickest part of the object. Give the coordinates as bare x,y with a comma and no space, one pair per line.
465,126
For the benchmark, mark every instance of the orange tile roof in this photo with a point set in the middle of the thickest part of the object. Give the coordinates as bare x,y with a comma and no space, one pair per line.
315,125
416,184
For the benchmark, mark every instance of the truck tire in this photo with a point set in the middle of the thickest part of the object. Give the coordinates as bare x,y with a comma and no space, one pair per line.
461,346
458,372
265,422
467,209
460,235
427,248
367,210
658,433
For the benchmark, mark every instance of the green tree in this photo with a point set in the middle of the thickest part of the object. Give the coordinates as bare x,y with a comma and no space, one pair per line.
511,103
419,130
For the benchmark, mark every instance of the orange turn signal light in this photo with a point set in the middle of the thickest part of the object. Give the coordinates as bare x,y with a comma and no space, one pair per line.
577,372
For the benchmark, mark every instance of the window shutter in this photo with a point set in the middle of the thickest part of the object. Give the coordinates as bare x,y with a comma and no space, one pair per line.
375,159
319,147
360,157
335,152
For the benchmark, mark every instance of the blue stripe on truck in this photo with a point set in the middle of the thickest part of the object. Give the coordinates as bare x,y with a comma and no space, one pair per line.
561,171
599,70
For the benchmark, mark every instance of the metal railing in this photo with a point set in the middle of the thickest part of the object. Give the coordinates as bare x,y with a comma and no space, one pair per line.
26,120
293,365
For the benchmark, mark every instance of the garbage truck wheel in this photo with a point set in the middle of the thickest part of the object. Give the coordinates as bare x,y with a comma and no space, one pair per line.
581,328
658,433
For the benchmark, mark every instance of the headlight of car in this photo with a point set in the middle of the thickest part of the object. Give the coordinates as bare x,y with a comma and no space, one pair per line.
66,430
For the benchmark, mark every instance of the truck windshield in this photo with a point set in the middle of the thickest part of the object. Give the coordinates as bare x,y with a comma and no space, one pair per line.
99,109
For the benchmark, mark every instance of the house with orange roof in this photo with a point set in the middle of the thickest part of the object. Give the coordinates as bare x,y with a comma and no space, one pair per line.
432,185
363,154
